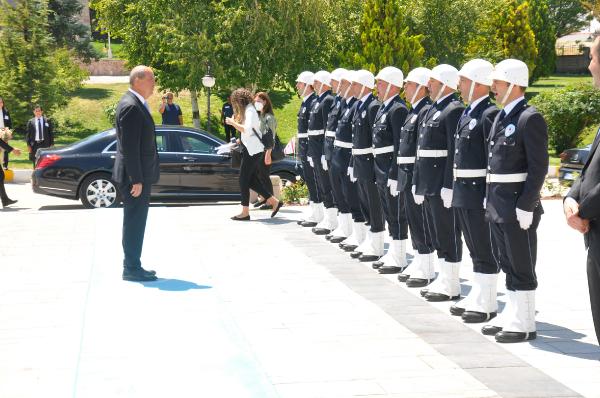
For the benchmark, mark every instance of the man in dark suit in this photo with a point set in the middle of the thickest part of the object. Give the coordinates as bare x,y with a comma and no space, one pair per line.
39,133
136,168
582,205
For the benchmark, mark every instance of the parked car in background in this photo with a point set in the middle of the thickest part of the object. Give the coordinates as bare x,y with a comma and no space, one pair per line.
190,168
572,162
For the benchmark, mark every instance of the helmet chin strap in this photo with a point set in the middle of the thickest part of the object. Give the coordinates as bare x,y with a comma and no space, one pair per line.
304,91
510,88
412,100
471,91
387,91
347,91
361,92
439,94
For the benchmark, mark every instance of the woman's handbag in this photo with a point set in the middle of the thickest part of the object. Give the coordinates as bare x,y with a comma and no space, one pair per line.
236,157
273,144
277,152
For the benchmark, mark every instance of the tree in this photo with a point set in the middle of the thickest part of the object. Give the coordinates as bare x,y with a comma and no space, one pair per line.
385,39
545,38
567,16
33,70
67,30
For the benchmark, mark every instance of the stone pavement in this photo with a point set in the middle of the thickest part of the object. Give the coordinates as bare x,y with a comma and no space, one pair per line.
259,309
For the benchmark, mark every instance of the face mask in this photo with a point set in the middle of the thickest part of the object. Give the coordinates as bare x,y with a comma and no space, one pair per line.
259,106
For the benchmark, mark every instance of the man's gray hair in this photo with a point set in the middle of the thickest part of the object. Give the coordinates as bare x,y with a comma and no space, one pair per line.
139,72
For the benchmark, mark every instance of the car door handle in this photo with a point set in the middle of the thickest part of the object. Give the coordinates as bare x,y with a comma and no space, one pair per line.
189,159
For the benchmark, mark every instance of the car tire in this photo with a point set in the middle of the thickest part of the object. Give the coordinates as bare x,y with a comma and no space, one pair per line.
98,190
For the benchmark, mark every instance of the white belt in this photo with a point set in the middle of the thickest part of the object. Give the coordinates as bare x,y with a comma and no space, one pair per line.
342,144
330,134
405,159
302,135
316,132
382,150
469,173
362,151
504,178
432,153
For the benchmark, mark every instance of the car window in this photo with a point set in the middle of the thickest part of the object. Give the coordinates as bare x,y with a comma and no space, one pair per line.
195,143
161,143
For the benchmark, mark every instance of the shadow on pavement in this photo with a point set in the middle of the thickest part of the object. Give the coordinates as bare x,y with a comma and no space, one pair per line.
174,285
557,336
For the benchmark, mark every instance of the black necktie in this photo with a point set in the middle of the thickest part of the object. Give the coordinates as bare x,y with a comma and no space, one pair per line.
502,115
40,129
465,113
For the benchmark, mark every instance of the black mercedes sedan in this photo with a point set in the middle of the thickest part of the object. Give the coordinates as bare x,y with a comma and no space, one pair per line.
572,162
190,169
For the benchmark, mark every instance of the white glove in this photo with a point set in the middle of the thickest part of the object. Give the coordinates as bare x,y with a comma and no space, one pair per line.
419,199
351,174
446,195
324,163
525,218
310,161
484,202
393,184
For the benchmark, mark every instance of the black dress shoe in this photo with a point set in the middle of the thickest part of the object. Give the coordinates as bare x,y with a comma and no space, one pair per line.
308,224
300,222
457,311
328,237
403,277
8,202
276,210
320,231
491,330
437,297
355,254
514,337
138,275
377,264
424,292
349,248
236,218
477,317
368,257
418,282
389,269
337,239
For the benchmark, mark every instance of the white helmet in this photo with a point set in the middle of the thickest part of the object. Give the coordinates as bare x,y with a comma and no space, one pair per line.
419,75
324,77
446,74
348,76
512,71
306,78
478,71
365,78
338,74
392,75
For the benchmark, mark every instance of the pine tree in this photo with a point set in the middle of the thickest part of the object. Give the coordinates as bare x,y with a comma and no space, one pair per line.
67,30
386,39
545,38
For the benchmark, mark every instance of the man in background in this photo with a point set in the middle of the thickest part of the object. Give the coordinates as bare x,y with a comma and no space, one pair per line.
170,111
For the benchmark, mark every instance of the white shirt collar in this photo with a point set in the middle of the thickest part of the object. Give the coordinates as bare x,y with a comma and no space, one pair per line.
508,108
418,102
474,104
443,98
307,96
387,101
142,99
363,99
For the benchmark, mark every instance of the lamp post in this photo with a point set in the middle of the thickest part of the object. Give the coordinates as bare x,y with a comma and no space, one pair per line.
208,81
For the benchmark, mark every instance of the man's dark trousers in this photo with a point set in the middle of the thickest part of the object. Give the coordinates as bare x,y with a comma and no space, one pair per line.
135,213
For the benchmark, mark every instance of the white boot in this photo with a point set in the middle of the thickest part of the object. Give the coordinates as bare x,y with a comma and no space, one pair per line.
448,287
482,297
434,286
313,214
424,270
365,244
375,248
329,222
319,212
357,236
503,318
394,258
307,213
523,313
344,228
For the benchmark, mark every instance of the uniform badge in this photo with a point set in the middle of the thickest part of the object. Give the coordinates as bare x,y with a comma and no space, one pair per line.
46,124
5,117
364,114
510,129
347,112
436,115
383,118
472,124
413,119
303,109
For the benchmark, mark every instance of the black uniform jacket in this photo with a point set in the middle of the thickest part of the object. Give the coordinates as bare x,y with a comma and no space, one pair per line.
517,144
436,132
362,138
471,153
343,135
303,115
317,122
332,121
136,160
386,133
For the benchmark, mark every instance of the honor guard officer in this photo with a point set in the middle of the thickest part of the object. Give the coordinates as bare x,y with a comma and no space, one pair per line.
317,123
362,165
386,135
470,169
517,167
304,85
416,91
433,185
352,229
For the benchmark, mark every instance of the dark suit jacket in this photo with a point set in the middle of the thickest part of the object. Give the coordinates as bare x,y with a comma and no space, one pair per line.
7,118
136,160
362,138
48,131
586,191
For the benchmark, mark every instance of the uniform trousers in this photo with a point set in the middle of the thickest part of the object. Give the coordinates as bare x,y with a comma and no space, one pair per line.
394,212
477,233
446,232
250,177
515,249
308,172
367,191
345,192
323,184
135,214
420,226
593,273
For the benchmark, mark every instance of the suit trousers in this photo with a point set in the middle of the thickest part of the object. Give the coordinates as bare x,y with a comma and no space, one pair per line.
250,177
135,214
593,273
420,226
478,234
515,249
446,232
394,211
345,192
323,184
311,182
367,191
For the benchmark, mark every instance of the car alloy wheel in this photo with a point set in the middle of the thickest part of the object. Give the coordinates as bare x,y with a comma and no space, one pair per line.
101,193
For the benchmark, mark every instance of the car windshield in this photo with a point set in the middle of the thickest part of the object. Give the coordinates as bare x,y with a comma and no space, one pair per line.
91,138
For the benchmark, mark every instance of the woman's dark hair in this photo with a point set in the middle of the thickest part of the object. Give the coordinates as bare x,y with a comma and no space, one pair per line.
240,99
268,108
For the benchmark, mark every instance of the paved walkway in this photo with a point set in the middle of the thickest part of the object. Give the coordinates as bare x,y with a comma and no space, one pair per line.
107,79
260,309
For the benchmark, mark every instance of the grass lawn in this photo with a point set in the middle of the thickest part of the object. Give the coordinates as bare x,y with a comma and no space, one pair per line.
556,81
102,48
